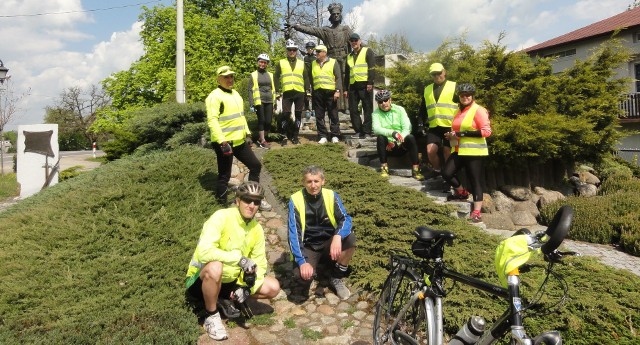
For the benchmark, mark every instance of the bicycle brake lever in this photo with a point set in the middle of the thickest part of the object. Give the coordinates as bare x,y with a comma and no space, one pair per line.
556,256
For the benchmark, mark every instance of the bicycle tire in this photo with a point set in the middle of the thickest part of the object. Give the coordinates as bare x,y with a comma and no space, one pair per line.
396,292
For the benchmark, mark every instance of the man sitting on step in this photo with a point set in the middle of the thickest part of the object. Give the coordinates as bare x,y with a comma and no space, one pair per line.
392,127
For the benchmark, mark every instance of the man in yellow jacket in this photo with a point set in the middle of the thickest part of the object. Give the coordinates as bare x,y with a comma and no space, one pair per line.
229,260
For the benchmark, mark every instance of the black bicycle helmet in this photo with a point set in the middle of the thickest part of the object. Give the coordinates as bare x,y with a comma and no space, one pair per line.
466,88
383,95
310,45
250,189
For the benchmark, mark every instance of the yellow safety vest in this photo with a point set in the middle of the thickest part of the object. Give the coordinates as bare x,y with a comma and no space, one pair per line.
328,196
471,146
323,77
441,112
256,88
358,69
230,125
292,79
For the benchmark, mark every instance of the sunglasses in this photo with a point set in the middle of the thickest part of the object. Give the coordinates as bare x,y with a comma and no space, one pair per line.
292,49
435,74
250,201
353,40
384,101
465,95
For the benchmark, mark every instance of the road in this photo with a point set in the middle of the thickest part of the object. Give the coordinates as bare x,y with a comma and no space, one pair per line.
67,160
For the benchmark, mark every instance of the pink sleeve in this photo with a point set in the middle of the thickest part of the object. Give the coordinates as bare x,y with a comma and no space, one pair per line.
481,121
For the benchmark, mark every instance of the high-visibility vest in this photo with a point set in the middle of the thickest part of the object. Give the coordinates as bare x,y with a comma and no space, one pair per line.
328,196
256,88
471,146
230,125
358,69
441,112
323,77
292,79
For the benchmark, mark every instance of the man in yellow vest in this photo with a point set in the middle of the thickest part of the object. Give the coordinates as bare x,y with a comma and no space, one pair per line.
291,85
262,97
229,262
327,82
319,226
358,85
230,135
439,106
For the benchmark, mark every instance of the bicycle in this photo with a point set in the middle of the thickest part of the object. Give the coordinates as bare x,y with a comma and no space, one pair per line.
410,310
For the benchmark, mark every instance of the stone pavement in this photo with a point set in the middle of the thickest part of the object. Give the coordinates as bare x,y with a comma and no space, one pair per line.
323,318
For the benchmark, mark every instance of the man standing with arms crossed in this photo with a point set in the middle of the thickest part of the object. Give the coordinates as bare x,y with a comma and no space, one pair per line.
439,106
358,85
291,81
327,81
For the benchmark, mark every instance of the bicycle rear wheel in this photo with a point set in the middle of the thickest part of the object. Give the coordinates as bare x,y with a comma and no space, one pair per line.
411,325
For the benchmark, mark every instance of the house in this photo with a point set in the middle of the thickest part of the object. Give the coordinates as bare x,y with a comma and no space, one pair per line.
579,44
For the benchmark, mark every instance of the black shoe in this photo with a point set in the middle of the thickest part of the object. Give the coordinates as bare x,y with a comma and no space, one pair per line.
295,141
283,142
363,136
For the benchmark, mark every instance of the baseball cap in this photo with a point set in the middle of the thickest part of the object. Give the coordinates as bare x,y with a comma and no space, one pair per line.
354,36
224,70
436,67
321,48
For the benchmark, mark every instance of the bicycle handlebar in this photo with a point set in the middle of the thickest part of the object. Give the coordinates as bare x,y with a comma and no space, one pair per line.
558,229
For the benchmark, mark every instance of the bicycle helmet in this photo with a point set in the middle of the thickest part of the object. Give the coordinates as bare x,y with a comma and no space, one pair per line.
310,45
264,57
291,44
251,190
466,88
383,95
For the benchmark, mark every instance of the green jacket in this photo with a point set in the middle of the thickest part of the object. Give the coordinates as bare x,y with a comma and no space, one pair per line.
225,237
394,120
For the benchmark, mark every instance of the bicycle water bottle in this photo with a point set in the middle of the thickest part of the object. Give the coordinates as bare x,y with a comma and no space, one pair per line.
469,333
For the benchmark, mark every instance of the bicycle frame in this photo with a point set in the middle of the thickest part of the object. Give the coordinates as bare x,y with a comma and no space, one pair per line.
511,318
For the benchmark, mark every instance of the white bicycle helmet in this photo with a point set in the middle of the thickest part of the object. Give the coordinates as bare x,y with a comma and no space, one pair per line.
290,44
264,57
250,189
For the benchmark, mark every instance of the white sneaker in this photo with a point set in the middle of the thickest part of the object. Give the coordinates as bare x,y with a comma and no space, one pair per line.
264,205
215,328
335,140
341,289
322,141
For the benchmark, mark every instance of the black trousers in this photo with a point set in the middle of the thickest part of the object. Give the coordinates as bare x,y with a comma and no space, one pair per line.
473,167
244,154
324,103
288,127
409,145
264,112
366,97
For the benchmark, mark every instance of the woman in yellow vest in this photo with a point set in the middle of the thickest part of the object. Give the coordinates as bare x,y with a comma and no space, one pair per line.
469,129
319,226
230,135
262,98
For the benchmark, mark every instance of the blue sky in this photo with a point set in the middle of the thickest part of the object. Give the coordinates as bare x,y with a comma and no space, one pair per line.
94,38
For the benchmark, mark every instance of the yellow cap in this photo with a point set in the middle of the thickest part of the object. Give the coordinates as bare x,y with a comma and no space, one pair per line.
436,67
321,48
224,70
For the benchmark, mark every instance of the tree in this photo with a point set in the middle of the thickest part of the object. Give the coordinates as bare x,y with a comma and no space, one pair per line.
390,44
9,107
75,112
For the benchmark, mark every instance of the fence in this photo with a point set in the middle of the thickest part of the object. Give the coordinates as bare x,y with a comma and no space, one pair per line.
631,107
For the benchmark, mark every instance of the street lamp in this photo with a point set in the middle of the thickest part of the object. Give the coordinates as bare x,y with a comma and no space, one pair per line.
3,76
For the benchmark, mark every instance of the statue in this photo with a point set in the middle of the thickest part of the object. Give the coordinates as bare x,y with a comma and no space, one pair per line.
334,37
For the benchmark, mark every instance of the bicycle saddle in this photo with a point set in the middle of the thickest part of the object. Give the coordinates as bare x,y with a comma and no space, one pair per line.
430,235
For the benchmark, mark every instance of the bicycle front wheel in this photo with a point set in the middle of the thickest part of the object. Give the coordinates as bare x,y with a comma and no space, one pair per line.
393,326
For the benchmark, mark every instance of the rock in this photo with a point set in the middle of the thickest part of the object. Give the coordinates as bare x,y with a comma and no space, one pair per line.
528,206
548,196
516,192
274,223
502,202
488,206
498,220
523,218
589,178
587,190
325,310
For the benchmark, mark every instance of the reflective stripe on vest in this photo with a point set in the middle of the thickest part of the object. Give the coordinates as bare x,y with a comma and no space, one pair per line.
358,70
441,113
323,77
256,88
328,197
231,120
471,146
292,79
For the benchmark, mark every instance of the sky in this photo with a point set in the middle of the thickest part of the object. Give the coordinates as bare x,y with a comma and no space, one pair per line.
52,45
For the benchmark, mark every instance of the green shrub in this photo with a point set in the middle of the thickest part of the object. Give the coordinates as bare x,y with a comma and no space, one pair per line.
70,172
8,186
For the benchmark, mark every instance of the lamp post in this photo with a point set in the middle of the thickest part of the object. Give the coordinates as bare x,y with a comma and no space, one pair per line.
3,76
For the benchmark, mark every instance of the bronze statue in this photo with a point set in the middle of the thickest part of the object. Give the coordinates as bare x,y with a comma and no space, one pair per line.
334,37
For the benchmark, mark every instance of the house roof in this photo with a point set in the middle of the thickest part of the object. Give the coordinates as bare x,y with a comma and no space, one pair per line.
626,19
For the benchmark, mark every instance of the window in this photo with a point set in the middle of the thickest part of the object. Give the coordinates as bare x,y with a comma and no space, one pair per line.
637,67
561,54
636,37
